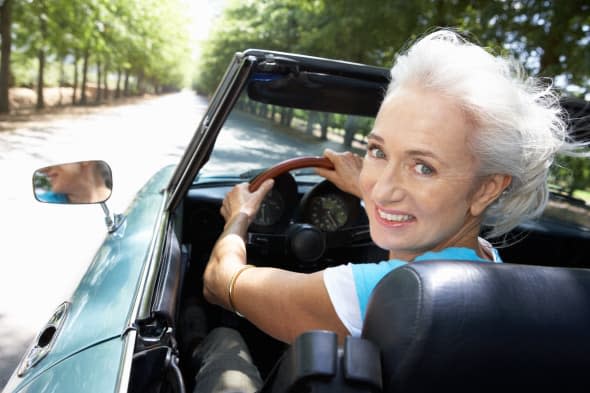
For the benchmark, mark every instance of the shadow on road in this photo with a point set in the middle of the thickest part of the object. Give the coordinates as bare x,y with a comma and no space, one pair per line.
25,115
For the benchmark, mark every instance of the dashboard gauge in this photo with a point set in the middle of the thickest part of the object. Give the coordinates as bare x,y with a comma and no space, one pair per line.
328,212
271,209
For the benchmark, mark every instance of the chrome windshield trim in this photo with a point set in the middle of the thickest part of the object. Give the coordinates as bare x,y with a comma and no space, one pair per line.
200,147
127,360
142,302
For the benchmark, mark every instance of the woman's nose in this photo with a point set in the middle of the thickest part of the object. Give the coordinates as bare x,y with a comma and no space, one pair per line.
389,187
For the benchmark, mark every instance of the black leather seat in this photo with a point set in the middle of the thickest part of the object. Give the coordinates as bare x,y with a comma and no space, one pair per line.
482,327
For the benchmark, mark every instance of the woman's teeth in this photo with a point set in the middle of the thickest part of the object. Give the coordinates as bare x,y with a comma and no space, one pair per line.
395,217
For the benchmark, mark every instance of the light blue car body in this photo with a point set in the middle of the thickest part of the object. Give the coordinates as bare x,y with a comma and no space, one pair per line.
88,352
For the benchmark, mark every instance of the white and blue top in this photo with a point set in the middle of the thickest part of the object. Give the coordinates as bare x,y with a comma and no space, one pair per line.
350,286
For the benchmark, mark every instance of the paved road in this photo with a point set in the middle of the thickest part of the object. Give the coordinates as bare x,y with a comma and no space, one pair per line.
45,249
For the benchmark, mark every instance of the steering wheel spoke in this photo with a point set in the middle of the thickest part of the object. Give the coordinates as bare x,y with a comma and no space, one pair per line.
358,236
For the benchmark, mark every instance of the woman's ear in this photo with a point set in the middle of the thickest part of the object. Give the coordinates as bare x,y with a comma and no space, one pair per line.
489,190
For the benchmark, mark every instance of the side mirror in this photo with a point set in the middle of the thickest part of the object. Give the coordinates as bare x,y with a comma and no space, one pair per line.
81,182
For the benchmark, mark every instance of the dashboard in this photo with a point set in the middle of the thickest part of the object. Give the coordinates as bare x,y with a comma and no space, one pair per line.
324,206
301,226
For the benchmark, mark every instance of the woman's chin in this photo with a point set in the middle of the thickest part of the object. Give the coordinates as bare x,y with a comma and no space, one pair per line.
392,247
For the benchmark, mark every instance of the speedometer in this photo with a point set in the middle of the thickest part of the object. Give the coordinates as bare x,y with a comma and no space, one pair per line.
271,209
328,212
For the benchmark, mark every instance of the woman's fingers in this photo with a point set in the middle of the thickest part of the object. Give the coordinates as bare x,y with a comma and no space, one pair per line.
264,188
240,200
347,168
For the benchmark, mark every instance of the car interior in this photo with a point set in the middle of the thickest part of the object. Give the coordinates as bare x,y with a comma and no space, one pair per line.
432,326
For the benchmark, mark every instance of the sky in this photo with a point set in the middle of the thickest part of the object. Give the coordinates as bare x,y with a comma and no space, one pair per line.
203,13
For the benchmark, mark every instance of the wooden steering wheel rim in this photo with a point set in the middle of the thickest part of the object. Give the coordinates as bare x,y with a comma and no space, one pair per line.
289,165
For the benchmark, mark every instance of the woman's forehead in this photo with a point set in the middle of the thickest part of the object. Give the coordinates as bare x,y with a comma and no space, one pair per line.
421,116
415,120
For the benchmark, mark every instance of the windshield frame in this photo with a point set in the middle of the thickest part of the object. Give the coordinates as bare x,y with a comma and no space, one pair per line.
237,77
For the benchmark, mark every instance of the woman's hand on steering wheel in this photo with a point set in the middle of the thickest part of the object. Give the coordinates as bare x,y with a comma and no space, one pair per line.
241,200
345,175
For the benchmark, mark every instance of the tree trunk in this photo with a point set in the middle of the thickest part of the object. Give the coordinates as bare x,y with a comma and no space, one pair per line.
286,116
84,76
311,120
41,56
40,79
5,36
105,82
325,121
118,88
98,97
138,83
126,84
75,79
350,127
61,79
290,114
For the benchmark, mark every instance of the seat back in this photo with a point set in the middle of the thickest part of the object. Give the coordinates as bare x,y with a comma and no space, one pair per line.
461,326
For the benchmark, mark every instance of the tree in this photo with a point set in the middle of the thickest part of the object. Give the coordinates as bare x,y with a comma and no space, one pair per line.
549,37
5,36
145,40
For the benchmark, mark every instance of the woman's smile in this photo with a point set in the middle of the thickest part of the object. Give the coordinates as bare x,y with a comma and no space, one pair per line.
391,218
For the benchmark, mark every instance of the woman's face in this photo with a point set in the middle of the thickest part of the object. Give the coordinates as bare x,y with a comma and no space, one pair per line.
419,177
64,178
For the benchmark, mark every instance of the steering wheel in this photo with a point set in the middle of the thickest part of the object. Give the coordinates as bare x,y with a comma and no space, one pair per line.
289,165
305,241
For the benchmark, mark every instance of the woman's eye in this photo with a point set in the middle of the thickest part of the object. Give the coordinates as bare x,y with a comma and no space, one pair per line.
423,169
376,152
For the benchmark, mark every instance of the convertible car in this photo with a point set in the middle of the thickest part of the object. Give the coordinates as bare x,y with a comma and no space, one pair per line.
134,319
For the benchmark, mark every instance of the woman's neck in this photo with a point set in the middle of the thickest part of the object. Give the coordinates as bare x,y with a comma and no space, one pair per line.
468,237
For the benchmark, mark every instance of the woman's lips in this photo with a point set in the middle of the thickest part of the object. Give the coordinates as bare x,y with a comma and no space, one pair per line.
393,218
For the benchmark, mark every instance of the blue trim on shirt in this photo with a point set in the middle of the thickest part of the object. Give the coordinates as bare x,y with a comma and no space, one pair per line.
366,276
53,197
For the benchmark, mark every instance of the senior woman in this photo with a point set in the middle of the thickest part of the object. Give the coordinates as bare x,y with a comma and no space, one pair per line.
461,140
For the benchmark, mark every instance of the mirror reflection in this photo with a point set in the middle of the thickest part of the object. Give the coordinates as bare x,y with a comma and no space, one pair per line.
74,183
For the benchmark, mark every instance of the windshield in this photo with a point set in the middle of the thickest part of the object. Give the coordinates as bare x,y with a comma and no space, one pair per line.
257,135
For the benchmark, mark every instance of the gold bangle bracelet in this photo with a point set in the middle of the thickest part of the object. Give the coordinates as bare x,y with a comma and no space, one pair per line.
232,284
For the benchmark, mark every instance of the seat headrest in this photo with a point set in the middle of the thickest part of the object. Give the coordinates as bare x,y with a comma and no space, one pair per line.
462,326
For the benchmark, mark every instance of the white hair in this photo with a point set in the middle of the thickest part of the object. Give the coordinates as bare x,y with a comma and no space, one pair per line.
519,123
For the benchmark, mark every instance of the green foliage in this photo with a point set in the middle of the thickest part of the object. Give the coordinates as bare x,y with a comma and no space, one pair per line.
549,37
570,174
148,38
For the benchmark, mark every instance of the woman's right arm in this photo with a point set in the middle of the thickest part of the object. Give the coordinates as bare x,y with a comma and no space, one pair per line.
284,304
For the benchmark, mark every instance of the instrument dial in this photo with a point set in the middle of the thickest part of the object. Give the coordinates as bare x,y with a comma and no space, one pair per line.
328,212
271,209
